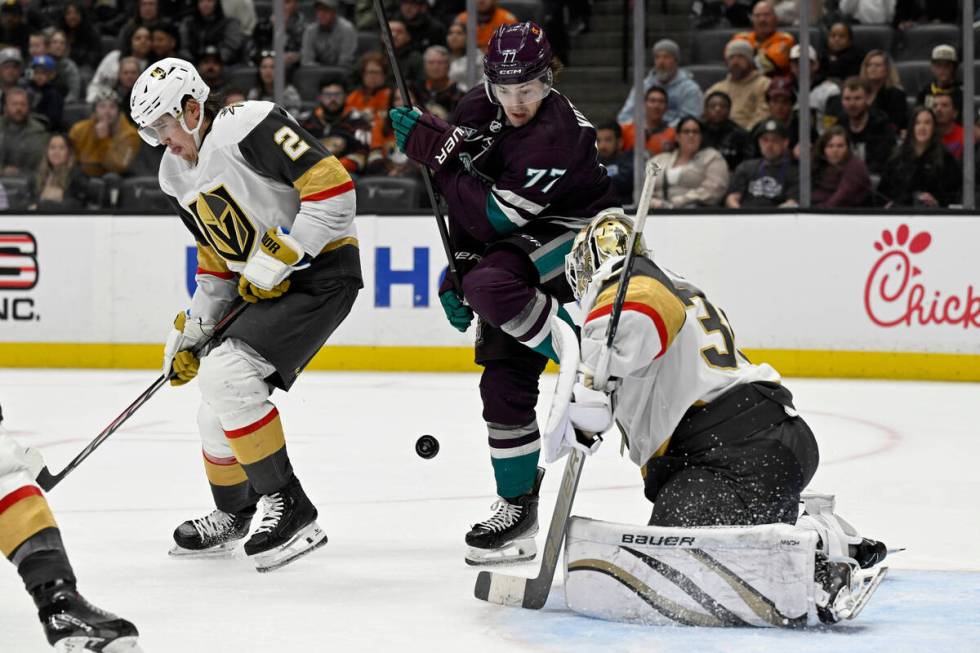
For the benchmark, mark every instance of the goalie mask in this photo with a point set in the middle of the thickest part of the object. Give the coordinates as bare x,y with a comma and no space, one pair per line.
598,250
156,104
517,65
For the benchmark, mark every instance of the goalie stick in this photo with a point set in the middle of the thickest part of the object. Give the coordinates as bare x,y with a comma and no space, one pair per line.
47,480
532,593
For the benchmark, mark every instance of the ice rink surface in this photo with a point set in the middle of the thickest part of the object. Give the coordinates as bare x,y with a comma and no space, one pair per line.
901,457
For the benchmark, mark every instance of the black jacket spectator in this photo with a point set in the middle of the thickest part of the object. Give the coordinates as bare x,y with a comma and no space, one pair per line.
841,58
13,29
83,37
728,138
921,165
425,29
208,25
874,143
765,184
46,99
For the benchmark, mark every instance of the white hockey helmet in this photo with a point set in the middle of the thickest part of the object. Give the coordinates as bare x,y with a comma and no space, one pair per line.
159,91
598,250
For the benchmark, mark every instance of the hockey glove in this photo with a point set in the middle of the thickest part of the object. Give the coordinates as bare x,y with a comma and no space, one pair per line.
459,314
588,416
178,358
425,138
264,276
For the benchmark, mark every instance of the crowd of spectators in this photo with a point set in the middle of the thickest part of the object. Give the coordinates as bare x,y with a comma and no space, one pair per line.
67,70
872,142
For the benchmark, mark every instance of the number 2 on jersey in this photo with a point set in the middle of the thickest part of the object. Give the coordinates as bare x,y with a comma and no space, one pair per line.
291,143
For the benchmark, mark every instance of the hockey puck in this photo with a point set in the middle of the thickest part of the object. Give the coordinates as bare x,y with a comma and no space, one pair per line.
427,447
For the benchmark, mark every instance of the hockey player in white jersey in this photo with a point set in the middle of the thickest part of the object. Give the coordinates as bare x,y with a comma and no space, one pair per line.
719,444
272,212
31,540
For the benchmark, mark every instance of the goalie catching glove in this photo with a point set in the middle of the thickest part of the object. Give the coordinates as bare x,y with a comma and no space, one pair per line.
264,276
180,363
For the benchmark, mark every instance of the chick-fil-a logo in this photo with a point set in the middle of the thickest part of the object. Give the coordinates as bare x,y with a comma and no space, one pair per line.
893,296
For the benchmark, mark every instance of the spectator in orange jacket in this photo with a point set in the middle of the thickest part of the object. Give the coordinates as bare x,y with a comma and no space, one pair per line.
660,137
106,142
373,97
488,18
771,47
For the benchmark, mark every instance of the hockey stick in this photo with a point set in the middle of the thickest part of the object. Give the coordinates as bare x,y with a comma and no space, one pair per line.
47,480
532,593
451,272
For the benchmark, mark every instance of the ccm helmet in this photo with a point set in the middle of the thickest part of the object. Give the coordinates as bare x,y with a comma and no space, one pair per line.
517,65
159,92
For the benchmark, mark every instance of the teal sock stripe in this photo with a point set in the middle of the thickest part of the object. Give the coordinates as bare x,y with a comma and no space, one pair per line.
515,476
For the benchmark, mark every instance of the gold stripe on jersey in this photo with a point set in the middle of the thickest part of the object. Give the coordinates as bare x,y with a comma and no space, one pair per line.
340,242
651,293
258,440
209,261
224,474
325,179
24,518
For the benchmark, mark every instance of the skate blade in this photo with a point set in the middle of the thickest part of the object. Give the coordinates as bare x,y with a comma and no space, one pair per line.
868,586
226,550
307,540
509,554
79,644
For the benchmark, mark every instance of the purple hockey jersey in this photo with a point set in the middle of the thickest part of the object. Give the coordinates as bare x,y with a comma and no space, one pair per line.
508,176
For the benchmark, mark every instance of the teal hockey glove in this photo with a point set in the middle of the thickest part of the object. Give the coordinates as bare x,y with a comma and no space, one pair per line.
459,315
403,121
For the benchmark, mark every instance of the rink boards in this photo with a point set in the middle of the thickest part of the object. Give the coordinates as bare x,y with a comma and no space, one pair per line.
888,296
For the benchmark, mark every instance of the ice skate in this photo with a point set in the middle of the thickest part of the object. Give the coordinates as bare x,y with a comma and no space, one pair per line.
844,589
73,624
212,536
508,536
288,529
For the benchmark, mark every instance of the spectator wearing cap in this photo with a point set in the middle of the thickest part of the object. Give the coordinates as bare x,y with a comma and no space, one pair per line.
296,23
685,95
13,31
840,179
868,129
11,70
211,69
943,65
437,93
208,25
348,137
721,133
331,40
425,30
107,74
47,101
409,60
691,174
263,87
868,12
659,136
770,47
771,181
489,16
821,88
744,84
781,100
147,13
841,59
617,163
22,136
947,124
921,172
83,37
105,142
68,78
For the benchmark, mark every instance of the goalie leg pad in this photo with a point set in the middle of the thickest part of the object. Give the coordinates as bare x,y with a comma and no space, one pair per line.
724,576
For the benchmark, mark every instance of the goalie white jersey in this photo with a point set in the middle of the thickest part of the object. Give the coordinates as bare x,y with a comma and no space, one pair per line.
673,349
257,170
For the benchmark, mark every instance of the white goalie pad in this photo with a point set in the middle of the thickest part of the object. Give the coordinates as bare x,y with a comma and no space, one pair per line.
718,576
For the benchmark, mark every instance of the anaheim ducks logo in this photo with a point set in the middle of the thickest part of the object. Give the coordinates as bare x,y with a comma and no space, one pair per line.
224,224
